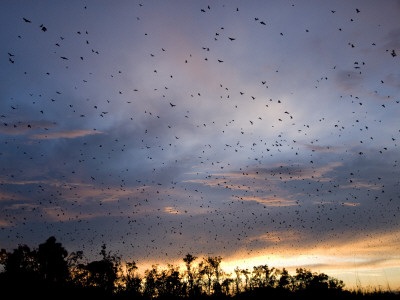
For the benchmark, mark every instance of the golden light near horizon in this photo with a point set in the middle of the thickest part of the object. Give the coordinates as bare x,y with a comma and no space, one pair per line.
359,264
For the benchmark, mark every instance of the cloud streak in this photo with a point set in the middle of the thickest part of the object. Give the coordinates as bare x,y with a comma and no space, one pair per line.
64,134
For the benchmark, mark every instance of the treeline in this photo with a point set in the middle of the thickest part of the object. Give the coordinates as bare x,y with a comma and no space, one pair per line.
50,270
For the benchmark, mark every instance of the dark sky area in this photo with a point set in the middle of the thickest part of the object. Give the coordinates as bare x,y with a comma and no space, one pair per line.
266,132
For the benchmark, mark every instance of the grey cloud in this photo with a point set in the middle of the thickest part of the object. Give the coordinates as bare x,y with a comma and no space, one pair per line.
349,81
392,40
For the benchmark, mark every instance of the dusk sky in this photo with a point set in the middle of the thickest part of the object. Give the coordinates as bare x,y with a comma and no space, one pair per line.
266,132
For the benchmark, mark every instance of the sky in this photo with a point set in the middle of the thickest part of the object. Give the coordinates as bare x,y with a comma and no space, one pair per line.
265,132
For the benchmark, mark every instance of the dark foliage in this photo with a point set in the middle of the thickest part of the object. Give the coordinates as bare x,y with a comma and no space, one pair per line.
50,272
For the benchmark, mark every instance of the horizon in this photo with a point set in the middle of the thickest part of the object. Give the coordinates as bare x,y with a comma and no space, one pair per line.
355,279
262,130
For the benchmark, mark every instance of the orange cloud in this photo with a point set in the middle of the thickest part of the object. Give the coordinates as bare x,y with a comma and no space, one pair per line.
276,202
171,210
21,205
4,223
5,196
64,134
350,204
361,185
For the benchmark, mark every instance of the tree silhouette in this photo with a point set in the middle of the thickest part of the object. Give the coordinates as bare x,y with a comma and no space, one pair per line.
246,274
305,280
131,279
21,261
49,270
169,284
188,260
285,279
78,274
150,286
215,264
270,276
20,270
205,270
209,267
257,276
103,273
226,285
237,279
51,258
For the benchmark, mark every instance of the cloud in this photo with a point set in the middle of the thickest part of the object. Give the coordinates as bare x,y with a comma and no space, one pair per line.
64,134
172,210
349,81
58,213
7,196
4,223
392,40
23,206
277,236
24,127
357,184
280,202
299,171
393,80
318,148
350,204
282,172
